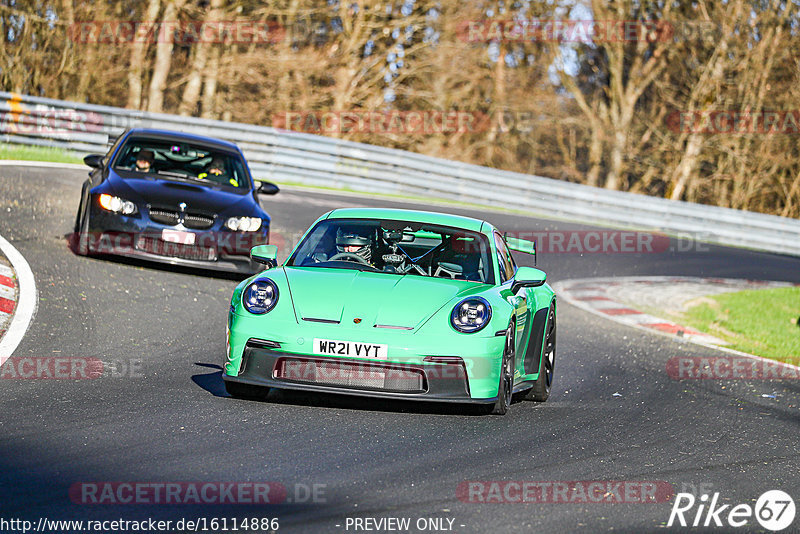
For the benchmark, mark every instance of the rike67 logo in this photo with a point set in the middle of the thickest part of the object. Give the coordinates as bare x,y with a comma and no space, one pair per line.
774,510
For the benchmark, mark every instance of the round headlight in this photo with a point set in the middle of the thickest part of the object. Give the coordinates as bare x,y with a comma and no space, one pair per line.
128,207
470,315
117,205
232,223
243,224
260,296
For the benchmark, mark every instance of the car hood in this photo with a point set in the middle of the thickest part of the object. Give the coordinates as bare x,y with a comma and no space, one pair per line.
162,192
376,298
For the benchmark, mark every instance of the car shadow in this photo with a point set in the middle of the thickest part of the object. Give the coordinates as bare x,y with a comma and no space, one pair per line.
213,383
72,244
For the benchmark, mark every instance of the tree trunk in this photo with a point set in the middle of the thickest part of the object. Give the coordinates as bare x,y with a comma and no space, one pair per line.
68,56
163,62
595,157
191,93
683,172
209,107
138,54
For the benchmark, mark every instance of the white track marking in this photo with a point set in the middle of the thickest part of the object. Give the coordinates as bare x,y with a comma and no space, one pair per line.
48,164
575,293
26,303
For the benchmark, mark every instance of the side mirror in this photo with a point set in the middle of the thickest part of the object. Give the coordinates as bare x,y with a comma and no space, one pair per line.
94,160
266,254
268,188
528,277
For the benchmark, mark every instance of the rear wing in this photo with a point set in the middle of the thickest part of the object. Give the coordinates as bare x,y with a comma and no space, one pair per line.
522,245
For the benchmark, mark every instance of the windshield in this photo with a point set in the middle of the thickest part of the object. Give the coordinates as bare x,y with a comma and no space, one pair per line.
396,247
181,161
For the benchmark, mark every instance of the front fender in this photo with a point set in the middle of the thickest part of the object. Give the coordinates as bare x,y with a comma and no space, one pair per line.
242,325
482,351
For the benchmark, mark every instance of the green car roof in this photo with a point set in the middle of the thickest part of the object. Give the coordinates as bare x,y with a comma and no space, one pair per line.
431,217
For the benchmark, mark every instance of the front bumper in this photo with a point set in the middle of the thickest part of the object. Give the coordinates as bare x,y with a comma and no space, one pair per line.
438,382
474,379
216,250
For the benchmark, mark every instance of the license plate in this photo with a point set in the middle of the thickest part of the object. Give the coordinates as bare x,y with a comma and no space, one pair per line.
333,347
177,236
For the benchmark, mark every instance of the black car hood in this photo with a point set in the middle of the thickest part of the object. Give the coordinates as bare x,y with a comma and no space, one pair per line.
158,191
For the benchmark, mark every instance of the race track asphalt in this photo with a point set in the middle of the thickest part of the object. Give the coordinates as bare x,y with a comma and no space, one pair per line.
614,413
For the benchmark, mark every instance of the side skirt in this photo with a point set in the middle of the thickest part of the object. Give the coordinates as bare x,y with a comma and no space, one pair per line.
533,353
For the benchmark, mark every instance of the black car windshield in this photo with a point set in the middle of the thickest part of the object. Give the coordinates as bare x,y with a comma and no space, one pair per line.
396,247
142,156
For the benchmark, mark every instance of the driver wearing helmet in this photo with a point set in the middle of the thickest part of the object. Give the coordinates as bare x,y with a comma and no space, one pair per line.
215,171
356,241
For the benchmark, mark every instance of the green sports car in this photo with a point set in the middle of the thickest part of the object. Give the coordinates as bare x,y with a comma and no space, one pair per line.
398,304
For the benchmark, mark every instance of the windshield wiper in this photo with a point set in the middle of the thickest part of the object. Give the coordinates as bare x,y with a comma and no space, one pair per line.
186,177
176,175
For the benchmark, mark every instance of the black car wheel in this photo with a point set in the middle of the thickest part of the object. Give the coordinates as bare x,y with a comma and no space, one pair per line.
81,230
541,389
506,388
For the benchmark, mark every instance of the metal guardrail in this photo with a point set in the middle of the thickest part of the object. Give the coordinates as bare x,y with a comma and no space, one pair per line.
284,156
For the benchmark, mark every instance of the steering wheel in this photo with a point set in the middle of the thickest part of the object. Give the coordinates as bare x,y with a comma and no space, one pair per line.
349,256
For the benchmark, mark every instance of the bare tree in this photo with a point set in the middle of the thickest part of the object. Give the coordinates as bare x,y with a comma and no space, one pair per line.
138,55
201,52
163,61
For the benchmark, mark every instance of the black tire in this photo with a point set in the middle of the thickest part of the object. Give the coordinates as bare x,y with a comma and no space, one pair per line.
77,227
506,387
81,230
245,391
541,389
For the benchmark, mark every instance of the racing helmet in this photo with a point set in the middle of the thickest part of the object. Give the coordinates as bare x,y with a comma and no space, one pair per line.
355,237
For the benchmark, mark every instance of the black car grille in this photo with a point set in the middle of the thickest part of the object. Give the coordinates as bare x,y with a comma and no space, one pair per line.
354,375
195,221
175,250
167,217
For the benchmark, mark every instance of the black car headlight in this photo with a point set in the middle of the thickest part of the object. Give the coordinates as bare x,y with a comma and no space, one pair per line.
117,205
471,314
260,296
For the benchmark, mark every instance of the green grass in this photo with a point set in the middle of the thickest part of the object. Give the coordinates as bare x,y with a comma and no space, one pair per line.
761,322
36,153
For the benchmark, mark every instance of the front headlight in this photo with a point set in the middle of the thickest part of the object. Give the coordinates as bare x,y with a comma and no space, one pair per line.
117,205
471,314
260,296
243,224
